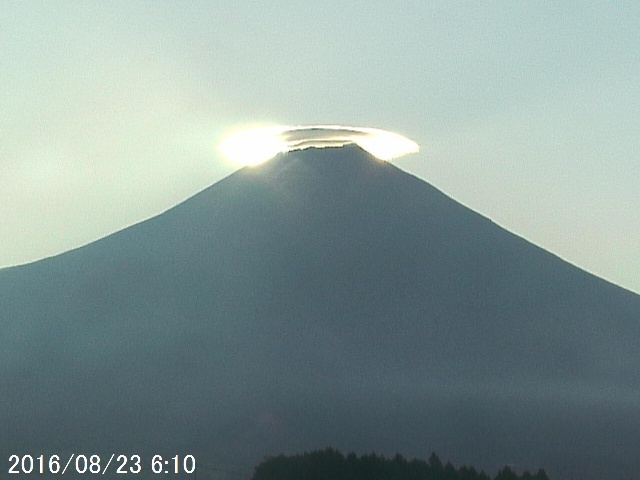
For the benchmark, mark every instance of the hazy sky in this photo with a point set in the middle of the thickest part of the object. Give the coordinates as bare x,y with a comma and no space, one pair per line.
528,112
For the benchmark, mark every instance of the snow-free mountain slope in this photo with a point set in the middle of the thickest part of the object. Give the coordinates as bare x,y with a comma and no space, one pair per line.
322,298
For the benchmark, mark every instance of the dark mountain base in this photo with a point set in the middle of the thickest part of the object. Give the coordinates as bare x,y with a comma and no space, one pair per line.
323,298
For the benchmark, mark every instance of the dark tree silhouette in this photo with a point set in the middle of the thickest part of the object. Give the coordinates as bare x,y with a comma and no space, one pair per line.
330,464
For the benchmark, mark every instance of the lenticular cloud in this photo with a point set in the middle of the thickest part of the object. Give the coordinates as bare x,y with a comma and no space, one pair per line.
257,145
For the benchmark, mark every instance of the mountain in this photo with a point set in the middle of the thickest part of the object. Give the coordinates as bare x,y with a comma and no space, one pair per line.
322,298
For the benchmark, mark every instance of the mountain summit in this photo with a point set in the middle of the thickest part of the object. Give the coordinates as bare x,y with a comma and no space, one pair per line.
322,298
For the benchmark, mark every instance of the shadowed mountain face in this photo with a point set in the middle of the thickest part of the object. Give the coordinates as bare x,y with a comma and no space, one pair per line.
323,298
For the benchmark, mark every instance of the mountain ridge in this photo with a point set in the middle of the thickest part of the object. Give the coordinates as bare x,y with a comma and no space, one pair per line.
254,169
323,297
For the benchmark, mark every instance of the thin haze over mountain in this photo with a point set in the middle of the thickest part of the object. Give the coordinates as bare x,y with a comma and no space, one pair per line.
322,298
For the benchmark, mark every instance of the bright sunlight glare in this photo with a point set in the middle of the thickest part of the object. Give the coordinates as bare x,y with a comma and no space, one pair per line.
257,145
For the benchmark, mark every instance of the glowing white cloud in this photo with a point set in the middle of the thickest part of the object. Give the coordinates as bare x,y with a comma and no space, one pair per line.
257,145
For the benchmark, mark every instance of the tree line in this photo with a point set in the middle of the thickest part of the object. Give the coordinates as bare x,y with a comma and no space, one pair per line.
330,464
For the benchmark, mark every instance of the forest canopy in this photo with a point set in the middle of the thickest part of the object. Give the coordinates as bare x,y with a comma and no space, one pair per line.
330,464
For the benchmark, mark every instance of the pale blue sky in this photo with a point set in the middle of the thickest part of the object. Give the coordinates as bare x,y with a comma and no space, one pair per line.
527,112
